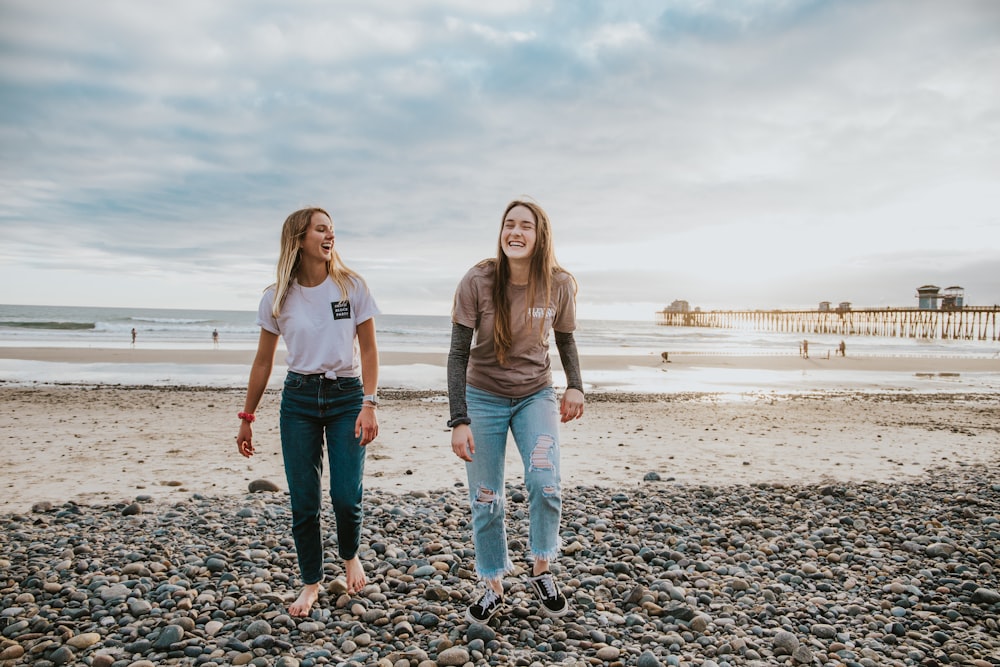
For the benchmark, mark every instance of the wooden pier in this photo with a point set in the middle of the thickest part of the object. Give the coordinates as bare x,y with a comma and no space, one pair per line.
968,323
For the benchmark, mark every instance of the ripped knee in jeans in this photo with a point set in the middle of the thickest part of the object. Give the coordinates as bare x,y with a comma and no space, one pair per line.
541,455
486,496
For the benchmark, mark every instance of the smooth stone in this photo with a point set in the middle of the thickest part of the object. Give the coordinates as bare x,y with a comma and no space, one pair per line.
480,631
61,656
823,631
170,635
84,640
138,607
12,652
452,657
608,653
102,660
258,628
216,565
802,655
985,596
939,550
114,592
786,641
647,659
263,485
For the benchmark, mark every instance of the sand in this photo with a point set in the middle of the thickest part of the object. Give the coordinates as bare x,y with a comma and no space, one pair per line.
107,444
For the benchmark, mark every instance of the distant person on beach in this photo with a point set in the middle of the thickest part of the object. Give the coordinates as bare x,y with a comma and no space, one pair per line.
215,337
805,349
499,380
323,309
133,336
842,349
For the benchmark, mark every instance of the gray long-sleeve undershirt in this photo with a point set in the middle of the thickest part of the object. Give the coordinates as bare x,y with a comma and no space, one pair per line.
458,365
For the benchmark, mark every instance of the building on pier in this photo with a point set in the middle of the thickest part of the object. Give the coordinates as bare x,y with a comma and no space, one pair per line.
928,297
953,298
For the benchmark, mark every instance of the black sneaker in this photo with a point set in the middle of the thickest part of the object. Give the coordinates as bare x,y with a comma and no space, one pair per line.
554,603
486,608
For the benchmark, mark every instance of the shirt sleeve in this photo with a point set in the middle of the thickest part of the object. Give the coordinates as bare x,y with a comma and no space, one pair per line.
265,319
458,364
566,344
465,310
565,320
365,307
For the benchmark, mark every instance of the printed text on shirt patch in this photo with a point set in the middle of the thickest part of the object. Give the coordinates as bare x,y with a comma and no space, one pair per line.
341,310
547,313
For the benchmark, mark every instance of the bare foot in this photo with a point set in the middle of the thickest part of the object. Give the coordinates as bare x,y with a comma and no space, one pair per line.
307,598
355,575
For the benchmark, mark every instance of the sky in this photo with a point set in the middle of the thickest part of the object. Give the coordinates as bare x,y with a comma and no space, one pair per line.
733,154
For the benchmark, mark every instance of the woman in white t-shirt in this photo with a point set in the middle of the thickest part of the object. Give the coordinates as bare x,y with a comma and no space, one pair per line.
326,315
502,382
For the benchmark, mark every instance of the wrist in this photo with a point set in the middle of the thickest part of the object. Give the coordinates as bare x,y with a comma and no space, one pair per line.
248,417
370,400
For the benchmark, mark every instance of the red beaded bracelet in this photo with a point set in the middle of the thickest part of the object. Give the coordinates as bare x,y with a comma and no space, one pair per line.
248,417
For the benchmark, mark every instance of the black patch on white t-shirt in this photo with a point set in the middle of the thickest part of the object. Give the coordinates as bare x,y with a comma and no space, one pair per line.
341,310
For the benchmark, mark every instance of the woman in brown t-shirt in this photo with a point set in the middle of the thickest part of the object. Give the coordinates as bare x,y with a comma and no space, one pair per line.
502,382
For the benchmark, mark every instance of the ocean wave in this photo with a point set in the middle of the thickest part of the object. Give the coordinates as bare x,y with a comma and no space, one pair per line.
169,320
62,326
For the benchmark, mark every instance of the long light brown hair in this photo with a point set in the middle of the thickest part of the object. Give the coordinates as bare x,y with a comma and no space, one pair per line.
292,232
540,273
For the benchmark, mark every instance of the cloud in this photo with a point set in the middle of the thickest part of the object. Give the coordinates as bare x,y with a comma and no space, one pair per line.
743,152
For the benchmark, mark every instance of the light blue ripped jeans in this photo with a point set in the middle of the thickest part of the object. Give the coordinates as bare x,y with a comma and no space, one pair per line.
534,422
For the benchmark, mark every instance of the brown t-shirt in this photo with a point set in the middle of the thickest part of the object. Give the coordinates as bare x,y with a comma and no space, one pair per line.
528,369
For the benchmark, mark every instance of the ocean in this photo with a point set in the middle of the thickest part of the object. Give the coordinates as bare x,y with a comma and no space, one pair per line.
176,329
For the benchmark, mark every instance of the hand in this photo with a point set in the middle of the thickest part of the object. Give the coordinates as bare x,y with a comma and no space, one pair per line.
366,426
462,443
571,406
244,439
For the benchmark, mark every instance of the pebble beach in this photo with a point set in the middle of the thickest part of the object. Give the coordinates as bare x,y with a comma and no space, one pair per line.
766,574
824,529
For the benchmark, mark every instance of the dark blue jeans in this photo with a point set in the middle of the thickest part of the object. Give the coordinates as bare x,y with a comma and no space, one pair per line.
313,406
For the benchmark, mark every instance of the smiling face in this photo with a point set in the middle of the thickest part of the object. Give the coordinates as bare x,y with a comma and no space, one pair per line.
317,241
519,233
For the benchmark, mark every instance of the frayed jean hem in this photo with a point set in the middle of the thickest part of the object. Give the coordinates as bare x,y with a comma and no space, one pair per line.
547,556
495,575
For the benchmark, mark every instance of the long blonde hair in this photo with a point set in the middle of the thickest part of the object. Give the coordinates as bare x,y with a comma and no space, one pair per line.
540,273
295,228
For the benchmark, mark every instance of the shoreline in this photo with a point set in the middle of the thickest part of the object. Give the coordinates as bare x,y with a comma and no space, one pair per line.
621,371
600,362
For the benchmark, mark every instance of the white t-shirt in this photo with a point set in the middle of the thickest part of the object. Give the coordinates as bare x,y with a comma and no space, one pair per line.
320,327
